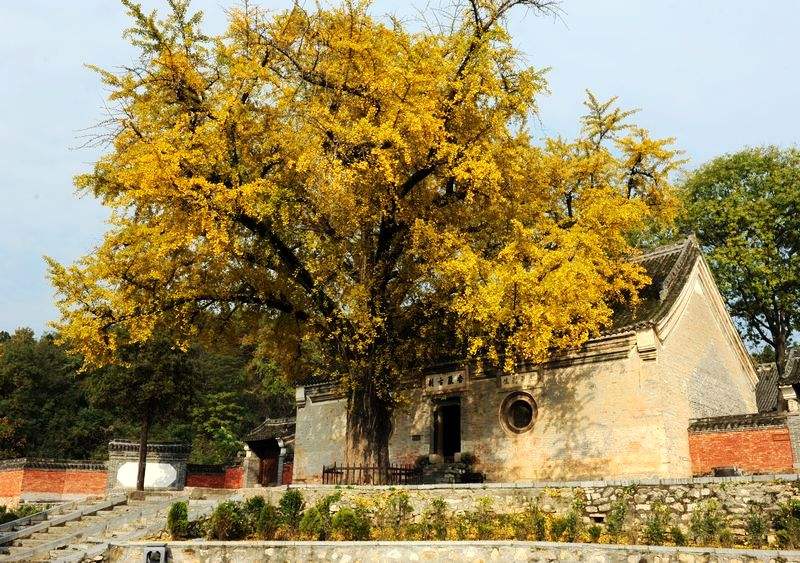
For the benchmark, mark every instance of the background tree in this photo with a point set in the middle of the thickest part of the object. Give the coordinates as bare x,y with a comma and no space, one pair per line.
154,380
745,209
44,412
358,199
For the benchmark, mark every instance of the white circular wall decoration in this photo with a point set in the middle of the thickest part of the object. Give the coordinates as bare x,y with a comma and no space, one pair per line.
156,475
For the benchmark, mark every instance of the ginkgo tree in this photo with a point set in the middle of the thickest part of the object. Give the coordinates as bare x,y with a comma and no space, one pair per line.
357,197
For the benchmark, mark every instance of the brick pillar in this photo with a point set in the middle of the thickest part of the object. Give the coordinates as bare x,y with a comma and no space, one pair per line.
793,423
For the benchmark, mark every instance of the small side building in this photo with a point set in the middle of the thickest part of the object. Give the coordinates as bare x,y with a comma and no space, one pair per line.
269,453
619,407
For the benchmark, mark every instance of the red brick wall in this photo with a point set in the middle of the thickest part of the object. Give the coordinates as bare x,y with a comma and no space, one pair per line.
15,482
10,483
287,473
85,481
207,480
753,450
232,478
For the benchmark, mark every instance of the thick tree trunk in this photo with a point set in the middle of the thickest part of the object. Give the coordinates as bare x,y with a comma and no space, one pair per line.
780,351
143,436
369,425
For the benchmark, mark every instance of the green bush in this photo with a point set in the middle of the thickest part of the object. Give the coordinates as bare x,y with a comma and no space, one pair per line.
709,526
266,522
227,522
433,524
594,532
6,515
530,524
677,536
197,528
290,508
393,515
786,523
615,521
178,520
28,509
483,520
253,506
351,524
755,529
656,525
316,521
467,458
566,527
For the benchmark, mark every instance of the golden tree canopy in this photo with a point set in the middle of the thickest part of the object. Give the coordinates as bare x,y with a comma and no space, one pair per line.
353,194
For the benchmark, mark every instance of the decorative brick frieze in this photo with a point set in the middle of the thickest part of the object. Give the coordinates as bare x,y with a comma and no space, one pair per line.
737,422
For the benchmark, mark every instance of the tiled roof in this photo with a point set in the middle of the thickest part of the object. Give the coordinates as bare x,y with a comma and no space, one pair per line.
737,421
272,428
668,268
767,389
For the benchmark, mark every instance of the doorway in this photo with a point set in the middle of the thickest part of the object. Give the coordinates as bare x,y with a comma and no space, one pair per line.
447,429
268,452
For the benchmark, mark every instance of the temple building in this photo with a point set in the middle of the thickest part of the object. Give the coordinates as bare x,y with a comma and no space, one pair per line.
624,405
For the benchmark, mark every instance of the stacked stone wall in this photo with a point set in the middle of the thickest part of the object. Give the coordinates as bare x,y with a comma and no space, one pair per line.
213,551
736,495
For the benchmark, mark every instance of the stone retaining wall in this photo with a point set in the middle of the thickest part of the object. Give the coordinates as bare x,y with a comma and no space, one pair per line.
683,496
202,552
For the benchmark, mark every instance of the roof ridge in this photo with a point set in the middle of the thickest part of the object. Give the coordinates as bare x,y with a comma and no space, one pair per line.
689,241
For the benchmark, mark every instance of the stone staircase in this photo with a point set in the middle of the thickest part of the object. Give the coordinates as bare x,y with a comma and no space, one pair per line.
85,531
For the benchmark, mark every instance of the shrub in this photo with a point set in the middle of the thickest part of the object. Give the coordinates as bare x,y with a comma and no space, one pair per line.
566,527
316,521
178,520
6,515
558,525
434,521
615,521
227,522
484,520
290,508
422,461
656,525
708,525
197,528
677,536
393,516
253,506
530,524
28,509
594,532
786,523
351,524
755,529
266,522
467,458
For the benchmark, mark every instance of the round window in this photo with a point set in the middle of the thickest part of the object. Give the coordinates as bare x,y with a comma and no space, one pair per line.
518,412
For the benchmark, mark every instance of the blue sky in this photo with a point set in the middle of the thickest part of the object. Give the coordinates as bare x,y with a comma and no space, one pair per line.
717,75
